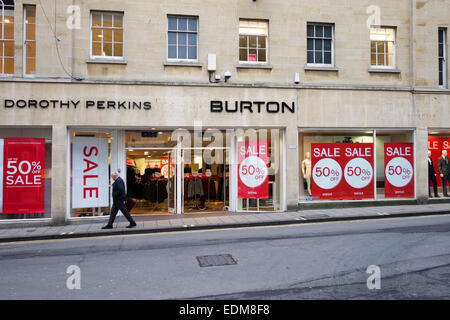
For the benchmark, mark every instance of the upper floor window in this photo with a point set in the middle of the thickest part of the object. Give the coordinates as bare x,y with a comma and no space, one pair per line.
253,41
382,47
7,37
182,38
320,44
29,53
442,57
107,35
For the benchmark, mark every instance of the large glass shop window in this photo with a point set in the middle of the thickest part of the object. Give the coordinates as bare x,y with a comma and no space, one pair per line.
25,173
90,174
356,165
438,163
395,164
336,165
259,169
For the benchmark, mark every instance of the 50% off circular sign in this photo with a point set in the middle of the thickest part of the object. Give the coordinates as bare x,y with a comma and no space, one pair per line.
253,172
358,173
327,174
399,172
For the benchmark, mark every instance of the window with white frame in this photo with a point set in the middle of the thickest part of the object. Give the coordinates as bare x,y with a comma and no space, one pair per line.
320,44
107,35
7,37
253,41
182,38
29,49
382,47
442,57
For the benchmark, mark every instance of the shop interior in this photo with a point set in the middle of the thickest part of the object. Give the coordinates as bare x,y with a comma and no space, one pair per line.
151,168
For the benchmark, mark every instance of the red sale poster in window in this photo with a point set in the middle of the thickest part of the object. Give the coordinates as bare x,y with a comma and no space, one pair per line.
164,164
399,170
23,176
253,161
342,171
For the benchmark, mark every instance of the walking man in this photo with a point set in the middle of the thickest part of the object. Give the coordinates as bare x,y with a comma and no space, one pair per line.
444,171
119,197
432,177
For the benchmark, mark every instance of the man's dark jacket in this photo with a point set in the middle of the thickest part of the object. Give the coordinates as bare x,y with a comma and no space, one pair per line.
119,193
444,166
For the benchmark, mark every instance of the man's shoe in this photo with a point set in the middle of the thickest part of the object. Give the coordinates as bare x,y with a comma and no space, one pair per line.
131,225
107,227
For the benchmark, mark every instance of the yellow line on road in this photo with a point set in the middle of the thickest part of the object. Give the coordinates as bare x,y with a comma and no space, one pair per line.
217,230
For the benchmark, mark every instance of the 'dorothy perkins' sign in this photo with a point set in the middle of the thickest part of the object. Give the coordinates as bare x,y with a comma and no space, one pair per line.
76,104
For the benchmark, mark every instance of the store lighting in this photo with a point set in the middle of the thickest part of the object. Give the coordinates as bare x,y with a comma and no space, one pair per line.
131,150
146,153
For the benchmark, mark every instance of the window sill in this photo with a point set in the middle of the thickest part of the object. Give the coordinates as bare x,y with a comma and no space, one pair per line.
382,70
182,64
107,61
320,68
253,66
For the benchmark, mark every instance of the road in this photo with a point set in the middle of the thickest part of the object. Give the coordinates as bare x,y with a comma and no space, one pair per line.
308,261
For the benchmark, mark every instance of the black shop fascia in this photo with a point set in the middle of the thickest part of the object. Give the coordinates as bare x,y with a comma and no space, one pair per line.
76,104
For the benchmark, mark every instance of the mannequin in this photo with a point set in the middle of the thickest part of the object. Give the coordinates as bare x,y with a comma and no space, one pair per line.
444,170
432,177
306,170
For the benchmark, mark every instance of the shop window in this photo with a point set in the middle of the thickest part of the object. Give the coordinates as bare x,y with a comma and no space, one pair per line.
7,37
182,38
25,173
356,164
90,170
438,163
107,35
152,169
395,170
29,53
382,47
259,169
253,41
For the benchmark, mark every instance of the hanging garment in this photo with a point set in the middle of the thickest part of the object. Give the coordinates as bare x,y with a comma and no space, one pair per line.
195,188
209,188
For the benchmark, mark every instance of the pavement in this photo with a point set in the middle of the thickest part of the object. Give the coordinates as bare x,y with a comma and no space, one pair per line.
174,223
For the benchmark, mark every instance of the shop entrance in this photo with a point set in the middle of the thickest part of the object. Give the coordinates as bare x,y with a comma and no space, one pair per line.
171,179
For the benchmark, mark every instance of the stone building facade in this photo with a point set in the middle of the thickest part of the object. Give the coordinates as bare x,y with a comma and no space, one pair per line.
293,72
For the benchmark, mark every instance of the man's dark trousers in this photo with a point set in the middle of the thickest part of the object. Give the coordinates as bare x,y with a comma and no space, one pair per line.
432,178
119,205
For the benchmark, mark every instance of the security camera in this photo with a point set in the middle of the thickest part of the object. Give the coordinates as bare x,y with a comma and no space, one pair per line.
227,75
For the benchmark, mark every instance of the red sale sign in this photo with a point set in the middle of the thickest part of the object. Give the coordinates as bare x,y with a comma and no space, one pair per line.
253,161
164,164
342,171
399,170
23,175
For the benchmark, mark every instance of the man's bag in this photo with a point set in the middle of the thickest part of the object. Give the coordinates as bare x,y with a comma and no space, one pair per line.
130,204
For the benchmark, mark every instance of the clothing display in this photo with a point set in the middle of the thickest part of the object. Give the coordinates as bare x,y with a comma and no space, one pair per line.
194,188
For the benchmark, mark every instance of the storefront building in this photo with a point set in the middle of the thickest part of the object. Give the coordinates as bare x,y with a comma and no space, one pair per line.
282,106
